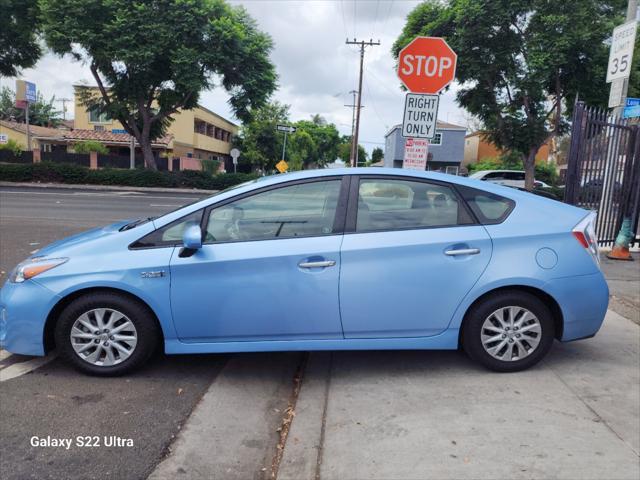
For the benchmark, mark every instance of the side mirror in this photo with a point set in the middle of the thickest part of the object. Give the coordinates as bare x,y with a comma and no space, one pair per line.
191,240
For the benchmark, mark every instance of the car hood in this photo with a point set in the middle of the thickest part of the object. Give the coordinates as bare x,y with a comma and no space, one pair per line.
82,237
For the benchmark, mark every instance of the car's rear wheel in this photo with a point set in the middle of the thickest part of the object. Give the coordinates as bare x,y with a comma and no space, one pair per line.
508,331
106,334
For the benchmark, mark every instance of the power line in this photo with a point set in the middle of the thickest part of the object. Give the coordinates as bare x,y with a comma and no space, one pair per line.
354,139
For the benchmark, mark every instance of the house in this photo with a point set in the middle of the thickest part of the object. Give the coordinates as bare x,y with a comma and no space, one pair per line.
446,149
42,138
198,133
478,148
47,139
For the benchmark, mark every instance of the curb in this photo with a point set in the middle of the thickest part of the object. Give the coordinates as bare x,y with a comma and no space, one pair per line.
105,188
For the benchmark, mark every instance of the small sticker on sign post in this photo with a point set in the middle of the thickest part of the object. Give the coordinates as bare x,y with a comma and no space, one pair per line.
420,115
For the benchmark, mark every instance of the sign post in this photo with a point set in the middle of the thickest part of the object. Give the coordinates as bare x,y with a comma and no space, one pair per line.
283,163
235,153
25,94
425,66
416,151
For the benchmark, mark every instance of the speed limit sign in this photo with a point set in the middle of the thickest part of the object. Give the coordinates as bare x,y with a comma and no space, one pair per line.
621,53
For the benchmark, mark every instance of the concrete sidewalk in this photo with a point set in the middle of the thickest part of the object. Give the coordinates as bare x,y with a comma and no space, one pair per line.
416,415
623,278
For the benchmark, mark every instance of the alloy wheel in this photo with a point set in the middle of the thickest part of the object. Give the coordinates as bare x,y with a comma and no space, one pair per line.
103,337
511,333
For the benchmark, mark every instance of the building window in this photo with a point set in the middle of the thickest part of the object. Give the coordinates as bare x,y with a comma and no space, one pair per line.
437,139
96,117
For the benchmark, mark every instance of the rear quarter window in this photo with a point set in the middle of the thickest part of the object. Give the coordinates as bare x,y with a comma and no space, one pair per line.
489,208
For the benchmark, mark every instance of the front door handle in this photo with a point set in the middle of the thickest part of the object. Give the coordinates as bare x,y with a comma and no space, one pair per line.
462,251
319,264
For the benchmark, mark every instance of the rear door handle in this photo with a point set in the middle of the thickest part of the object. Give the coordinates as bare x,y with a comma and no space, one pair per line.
319,264
462,251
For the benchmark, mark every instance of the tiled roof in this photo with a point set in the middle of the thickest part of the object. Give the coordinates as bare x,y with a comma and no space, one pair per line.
35,130
109,137
78,134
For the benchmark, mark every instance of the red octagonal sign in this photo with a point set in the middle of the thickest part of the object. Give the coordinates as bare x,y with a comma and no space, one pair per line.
427,65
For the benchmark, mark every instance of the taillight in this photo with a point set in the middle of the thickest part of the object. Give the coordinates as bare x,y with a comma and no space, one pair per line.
585,233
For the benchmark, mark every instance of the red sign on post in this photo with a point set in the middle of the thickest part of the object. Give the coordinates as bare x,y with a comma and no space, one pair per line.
427,65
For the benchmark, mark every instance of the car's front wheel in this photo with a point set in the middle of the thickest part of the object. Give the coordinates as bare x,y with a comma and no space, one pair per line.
508,331
106,333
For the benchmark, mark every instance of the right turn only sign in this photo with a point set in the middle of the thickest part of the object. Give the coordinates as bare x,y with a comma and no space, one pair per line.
420,115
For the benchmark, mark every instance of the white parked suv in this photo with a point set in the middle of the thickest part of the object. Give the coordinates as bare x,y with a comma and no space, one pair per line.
509,178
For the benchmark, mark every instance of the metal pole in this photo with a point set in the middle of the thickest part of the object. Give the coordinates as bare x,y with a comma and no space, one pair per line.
132,153
284,147
26,116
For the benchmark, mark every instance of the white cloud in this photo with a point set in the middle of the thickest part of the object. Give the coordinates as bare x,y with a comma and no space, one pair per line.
316,69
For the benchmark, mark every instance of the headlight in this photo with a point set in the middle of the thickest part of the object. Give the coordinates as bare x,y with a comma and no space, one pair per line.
34,266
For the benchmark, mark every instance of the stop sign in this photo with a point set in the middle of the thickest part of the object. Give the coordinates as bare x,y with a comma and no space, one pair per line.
427,65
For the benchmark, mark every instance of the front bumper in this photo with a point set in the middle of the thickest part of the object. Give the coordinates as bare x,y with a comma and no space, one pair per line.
24,308
583,300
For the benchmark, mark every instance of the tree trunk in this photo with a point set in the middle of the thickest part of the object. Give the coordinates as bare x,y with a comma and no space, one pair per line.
529,168
147,152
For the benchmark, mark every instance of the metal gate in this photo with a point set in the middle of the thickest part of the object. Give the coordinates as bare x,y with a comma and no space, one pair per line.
603,170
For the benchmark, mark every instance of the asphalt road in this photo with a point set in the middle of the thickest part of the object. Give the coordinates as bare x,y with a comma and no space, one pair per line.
148,406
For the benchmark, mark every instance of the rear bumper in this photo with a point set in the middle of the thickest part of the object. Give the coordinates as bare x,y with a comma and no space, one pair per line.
583,300
24,308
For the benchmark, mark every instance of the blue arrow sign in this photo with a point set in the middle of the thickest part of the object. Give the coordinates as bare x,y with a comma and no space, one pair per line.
631,112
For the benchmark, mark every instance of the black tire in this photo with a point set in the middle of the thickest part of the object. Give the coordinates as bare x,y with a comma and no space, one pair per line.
145,326
475,317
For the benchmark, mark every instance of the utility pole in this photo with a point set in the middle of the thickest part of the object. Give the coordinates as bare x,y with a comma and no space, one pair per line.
353,106
64,106
354,138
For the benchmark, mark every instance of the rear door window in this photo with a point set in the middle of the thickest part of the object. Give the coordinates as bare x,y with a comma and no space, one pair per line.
488,207
392,204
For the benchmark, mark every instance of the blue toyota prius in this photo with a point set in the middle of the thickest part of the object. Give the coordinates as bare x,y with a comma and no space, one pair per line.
318,260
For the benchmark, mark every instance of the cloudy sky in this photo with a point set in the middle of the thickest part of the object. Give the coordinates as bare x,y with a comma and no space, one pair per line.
316,69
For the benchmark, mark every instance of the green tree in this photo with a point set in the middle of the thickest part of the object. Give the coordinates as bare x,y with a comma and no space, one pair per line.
42,112
151,59
259,142
19,46
521,61
344,152
377,155
323,148
90,146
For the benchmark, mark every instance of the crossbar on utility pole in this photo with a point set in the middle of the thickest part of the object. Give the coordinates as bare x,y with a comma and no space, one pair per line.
354,137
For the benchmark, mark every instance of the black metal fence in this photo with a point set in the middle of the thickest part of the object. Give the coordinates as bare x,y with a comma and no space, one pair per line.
60,156
603,170
7,156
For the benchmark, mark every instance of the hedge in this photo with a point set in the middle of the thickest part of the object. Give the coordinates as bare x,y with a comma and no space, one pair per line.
48,172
